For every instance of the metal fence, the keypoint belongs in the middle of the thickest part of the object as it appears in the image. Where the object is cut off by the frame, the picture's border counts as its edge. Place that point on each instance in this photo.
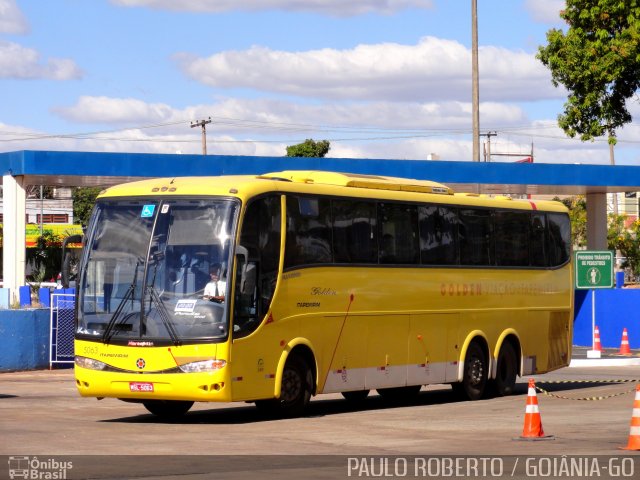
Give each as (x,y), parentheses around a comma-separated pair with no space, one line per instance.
(61,328)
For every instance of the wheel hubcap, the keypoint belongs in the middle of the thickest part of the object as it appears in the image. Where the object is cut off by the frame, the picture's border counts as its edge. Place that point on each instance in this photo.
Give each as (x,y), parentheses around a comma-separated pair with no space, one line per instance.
(476,371)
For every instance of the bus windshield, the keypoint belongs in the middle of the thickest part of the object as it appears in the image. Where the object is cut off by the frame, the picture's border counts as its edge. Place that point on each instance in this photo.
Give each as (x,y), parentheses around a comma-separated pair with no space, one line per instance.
(156,271)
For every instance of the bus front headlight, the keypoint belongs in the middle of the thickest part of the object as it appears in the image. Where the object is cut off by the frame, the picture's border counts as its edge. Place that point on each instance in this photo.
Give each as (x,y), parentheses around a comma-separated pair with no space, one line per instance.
(90,363)
(203,366)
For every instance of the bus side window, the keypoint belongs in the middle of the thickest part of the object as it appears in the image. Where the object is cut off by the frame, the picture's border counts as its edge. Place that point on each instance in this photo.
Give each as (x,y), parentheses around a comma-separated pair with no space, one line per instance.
(539,240)
(512,238)
(438,235)
(309,239)
(476,239)
(354,231)
(398,233)
(559,229)
(260,236)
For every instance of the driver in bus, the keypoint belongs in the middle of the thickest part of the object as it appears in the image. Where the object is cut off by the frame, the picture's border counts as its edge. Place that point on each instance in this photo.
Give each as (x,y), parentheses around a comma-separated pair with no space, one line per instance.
(214,290)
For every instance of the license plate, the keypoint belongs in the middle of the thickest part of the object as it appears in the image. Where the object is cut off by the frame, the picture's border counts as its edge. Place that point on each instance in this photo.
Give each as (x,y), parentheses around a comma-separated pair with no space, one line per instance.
(140,387)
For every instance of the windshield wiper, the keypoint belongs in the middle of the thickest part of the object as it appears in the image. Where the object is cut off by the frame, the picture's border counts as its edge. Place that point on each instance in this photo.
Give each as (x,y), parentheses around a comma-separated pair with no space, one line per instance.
(159,304)
(164,314)
(109,331)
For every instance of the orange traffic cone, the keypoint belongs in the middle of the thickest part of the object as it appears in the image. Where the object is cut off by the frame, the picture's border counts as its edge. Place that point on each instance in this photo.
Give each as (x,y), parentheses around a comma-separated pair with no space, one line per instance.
(532,420)
(634,430)
(596,352)
(624,344)
(597,346)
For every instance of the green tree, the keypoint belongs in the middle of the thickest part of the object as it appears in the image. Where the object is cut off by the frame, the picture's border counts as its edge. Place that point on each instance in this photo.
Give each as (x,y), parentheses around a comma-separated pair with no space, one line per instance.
(578,215)
(625,238)
(45,256)
(83,200)
(597,60)
(309,148)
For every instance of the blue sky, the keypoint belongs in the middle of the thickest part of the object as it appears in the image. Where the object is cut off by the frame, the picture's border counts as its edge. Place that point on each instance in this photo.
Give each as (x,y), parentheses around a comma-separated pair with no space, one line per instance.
(378,78)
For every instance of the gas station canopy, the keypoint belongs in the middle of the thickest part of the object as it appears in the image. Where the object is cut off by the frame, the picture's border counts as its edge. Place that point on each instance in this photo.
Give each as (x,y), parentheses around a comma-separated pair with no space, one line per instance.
(103,169)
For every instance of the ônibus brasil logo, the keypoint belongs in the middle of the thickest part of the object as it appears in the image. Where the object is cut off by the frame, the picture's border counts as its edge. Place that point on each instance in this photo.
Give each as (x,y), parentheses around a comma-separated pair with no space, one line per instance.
(32,467)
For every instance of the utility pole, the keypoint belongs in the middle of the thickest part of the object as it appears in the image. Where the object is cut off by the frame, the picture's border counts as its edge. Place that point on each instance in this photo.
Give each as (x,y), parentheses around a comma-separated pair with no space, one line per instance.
(202,123)
(612,161)
(487,152)
(41,210)
(475,89)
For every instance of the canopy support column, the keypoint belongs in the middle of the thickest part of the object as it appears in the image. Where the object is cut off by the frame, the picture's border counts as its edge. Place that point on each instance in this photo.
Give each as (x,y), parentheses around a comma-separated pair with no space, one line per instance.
(597,221)
(14,237)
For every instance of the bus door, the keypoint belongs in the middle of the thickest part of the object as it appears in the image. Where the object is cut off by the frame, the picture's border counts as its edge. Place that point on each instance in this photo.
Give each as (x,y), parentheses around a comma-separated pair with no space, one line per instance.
(254,354)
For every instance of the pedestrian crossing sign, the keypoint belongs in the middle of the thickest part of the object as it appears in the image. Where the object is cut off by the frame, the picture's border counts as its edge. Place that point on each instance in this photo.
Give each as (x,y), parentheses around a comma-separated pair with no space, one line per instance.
(594,269)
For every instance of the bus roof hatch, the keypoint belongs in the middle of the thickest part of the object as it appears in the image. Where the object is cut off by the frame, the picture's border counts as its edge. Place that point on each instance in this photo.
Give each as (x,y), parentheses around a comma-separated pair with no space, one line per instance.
(360,181)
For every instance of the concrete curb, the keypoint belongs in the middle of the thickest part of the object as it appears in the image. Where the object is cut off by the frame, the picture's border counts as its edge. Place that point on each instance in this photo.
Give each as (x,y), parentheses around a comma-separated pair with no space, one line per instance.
(604,362)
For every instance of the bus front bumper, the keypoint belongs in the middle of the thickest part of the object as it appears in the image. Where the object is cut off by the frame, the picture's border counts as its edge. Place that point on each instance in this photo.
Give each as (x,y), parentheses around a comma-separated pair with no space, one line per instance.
(199,387)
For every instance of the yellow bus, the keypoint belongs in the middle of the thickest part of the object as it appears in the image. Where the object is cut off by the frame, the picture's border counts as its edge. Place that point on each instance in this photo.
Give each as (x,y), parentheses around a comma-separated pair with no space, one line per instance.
(324,283)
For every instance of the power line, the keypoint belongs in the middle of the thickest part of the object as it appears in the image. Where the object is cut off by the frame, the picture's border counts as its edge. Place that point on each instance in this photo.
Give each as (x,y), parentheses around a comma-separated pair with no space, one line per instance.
(369,133)
(250,123)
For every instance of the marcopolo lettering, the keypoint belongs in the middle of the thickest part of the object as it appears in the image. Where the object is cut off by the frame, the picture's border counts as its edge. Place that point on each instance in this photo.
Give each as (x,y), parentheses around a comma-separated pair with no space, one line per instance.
(308,304)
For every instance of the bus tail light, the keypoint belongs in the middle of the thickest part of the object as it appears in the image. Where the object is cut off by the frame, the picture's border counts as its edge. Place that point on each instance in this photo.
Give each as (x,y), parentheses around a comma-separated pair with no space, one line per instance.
(203,366)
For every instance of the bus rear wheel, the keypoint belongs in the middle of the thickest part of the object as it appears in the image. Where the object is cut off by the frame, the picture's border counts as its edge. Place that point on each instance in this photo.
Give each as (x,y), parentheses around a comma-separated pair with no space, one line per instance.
(474,377)
(168,408)
(506,371)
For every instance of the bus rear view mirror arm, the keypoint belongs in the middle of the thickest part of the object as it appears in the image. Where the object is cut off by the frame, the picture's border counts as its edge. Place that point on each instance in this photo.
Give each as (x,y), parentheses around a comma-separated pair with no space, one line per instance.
(247,271)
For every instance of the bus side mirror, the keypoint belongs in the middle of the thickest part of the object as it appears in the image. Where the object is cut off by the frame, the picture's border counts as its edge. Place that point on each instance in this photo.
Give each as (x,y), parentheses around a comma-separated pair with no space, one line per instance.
(247,271)
(66,259)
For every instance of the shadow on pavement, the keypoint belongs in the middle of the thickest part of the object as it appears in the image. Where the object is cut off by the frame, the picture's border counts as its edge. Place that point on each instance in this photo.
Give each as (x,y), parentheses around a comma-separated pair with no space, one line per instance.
(248,413)
(317,408)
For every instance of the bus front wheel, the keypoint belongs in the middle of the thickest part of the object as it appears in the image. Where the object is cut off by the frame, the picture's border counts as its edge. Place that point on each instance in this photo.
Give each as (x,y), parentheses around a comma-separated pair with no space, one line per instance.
(474,377)
(295,392)
(297,385)
(168,408)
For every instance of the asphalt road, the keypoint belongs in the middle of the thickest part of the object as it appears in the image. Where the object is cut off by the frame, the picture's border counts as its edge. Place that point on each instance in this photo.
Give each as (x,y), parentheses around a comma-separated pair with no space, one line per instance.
(43,417)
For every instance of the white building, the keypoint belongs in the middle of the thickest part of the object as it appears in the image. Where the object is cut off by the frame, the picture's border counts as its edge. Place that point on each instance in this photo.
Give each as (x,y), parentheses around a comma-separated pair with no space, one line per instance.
(58,209)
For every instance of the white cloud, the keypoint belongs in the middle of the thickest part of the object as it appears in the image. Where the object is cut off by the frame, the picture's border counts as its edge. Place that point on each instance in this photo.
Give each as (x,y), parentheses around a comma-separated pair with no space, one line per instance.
(115,111)
(411,149)
(277,118)
(15,138)
(264,127)
(355,130)
(20,62)
(329,7)
(11,19)
(551,146)
(434,69)
(545,11)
